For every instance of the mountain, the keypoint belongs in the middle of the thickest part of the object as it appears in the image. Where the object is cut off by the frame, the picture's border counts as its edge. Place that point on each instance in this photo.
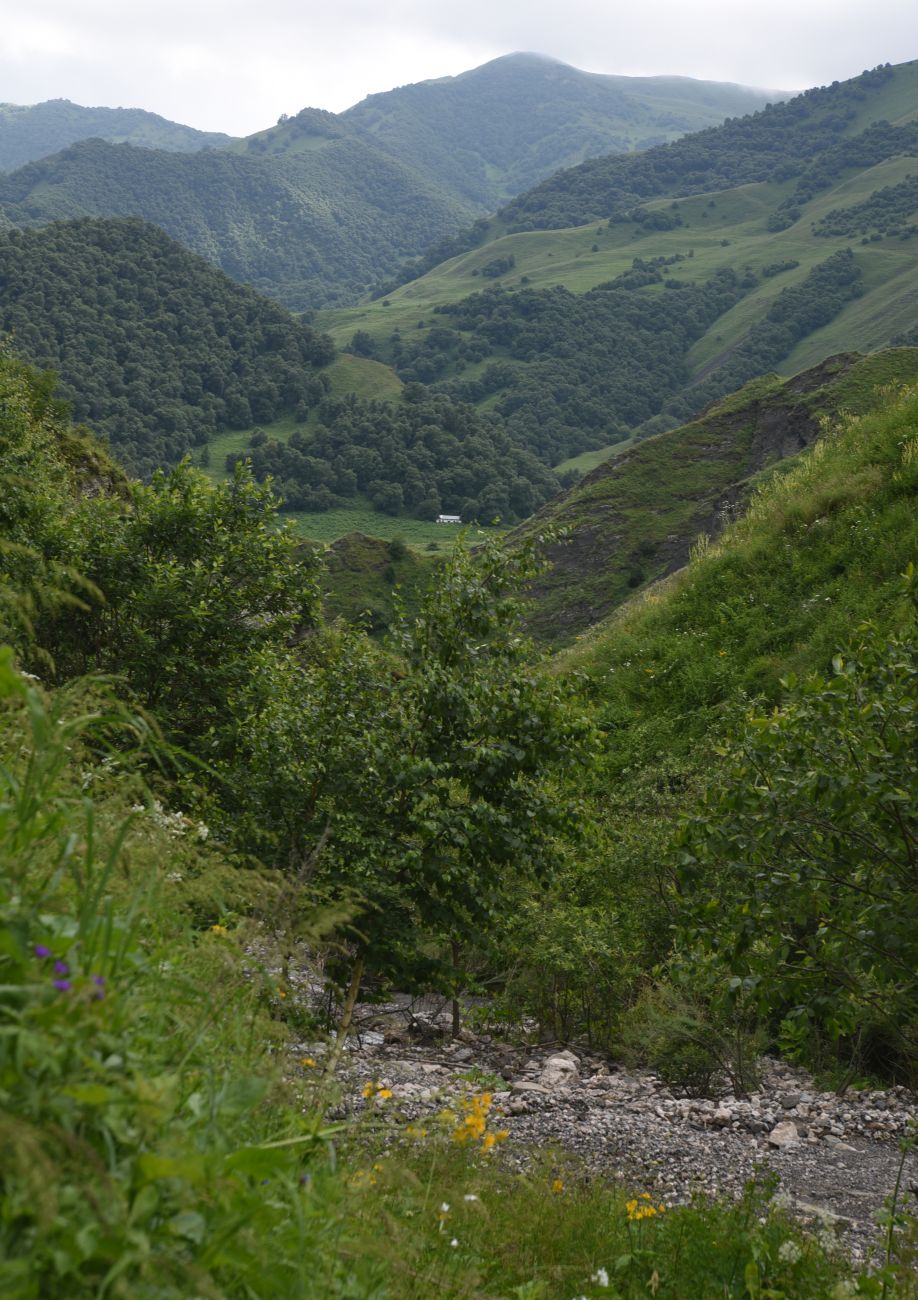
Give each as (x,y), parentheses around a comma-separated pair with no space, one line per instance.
(634,519)
(321,207)
(498,129)
(307,227)
(29,132)
(773,242)
(153,346)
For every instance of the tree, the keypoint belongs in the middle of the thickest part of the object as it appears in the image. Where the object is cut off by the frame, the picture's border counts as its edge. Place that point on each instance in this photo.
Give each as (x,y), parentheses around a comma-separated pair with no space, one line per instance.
(414,781)
(801,868)
(197,581)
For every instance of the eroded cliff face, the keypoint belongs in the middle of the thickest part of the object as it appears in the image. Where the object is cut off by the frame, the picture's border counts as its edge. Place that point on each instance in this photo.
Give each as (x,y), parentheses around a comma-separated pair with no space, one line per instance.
(634,519)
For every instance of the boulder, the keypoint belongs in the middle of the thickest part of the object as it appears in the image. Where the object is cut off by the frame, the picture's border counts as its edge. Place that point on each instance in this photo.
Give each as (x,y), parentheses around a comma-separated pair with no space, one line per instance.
(783,1135)
(560,1071)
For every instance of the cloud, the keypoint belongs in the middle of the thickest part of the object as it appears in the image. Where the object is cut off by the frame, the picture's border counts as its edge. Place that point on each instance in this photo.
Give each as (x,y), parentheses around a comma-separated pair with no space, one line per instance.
(235,66)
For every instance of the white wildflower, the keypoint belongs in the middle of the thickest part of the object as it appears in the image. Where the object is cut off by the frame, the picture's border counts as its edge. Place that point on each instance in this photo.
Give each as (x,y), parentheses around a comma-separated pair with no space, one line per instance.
(600,1277)
(454,1242)
(789,1252)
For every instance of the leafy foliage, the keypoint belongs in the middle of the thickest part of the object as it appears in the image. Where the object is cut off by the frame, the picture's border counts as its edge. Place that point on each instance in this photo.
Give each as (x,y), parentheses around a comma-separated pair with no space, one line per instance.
(417,783)
(801,866)
(197,582)
(154,348)
(425,454)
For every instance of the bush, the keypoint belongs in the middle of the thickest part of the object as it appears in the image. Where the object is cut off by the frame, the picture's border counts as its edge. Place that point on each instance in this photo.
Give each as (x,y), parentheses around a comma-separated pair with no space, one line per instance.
(689,1046)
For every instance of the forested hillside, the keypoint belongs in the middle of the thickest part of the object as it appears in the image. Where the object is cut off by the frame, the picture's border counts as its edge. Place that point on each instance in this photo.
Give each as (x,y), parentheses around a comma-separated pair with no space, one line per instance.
(32,131)
(422,455)
(500,128)
(783,238)
(320,207)
(811,139)
(153,346)
(309,228)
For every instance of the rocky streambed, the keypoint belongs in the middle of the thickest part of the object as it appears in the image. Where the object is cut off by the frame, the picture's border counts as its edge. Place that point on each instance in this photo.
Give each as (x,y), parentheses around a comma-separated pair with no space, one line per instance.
(836,1158)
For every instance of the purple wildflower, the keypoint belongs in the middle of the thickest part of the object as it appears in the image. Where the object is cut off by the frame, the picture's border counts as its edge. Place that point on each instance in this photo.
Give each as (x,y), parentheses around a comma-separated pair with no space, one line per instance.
(63,986)
(61,968)
(41,951)
(99,980)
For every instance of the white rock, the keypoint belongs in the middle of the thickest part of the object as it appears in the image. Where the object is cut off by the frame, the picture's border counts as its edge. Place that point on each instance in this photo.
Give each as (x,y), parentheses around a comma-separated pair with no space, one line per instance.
(560,1071)
(784,1135)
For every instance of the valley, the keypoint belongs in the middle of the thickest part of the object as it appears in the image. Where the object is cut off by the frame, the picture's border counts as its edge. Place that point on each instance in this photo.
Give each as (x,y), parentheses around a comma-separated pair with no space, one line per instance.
(521,908)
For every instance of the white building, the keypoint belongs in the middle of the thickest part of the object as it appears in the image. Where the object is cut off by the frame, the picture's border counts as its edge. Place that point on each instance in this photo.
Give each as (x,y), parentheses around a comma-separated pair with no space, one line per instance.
(449,519)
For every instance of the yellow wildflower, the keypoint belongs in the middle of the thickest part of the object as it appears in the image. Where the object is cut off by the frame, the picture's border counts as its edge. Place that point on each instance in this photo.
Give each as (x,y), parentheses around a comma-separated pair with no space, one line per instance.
(384,1094)
(219,929)
(369,1089)
(558,1186)
(309,1063)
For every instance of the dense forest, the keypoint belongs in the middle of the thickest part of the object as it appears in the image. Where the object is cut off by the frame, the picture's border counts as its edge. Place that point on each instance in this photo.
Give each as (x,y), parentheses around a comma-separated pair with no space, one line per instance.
(153,346)
(889,212)
(308,227)
(570,372)
(35,131)
(421,456)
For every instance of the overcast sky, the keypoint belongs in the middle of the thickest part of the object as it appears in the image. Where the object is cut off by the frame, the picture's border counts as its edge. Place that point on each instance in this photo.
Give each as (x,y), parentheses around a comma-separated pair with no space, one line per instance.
(236,65)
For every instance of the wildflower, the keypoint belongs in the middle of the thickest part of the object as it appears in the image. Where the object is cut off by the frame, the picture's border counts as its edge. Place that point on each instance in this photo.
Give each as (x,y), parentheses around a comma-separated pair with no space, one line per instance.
(454,1242)
(789,1252)
(62,986)
(637,1211)
(384,1094)
(61,968)
(281,993)
(368,1090)
(600,1277)
(444,1209)
(470,1196)
(41,950)
(721,653)
(99,981)
(221,929)
(558,1186)
(309,1063)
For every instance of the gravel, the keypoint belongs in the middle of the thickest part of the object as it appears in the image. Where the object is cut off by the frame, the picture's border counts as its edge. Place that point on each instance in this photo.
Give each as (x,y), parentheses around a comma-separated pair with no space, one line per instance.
(836,1158)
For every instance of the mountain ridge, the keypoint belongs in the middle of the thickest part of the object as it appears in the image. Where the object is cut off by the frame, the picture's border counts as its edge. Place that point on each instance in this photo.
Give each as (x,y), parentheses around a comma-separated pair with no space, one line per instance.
(320,207)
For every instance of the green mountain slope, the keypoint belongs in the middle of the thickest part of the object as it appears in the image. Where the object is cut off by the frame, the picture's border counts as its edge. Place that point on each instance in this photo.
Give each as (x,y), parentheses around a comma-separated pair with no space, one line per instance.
(500,128)
(587,334)
(699,670)
(321,207)
(780,143)
(29,132)
(634,519)
(306,227)
(154,347)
